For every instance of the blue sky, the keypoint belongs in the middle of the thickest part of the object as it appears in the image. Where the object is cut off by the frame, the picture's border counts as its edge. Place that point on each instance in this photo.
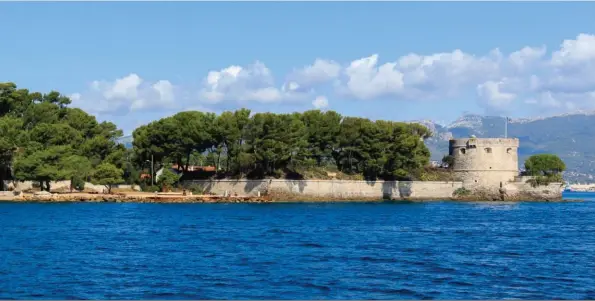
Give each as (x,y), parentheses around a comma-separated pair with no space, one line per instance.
(135,62)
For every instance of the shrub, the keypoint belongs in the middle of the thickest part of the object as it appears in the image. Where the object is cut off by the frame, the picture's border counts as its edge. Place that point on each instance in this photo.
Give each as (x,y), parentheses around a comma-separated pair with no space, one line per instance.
(435,174)
(545,180)
(196,188)
(151,189)
(449,161)
(462,192)
(168,179)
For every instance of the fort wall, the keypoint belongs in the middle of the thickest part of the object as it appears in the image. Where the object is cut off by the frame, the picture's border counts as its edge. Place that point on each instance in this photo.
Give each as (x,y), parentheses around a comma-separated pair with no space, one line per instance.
(331,189)
(485,162)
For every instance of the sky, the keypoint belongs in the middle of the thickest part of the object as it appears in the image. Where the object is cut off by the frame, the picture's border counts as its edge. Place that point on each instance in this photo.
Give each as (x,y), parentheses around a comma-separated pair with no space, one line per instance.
(135,62)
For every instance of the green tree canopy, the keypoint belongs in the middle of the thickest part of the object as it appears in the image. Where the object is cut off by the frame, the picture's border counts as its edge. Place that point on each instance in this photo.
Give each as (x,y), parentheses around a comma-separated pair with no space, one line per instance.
(267,144)
(168,179)
(108,175)
(544,165)
(43,139)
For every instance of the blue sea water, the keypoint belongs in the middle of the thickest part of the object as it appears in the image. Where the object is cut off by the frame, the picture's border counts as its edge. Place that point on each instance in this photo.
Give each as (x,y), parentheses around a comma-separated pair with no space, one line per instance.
(438,250)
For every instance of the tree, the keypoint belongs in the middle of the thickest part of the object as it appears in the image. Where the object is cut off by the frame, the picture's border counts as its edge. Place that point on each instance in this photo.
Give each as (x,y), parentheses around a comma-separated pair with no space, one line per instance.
(545,169)
(108,175)
(168,179)
(77,169)
(544,165)
(268,144)
(11,136)
(42,139)
(43,165)
(322,132)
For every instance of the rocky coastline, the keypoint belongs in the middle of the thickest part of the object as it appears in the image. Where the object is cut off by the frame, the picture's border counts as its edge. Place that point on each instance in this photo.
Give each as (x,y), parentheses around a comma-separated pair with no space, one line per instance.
(273,198)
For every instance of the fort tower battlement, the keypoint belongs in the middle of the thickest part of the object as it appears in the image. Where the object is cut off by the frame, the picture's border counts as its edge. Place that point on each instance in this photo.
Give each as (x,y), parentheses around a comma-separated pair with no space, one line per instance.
(485,161)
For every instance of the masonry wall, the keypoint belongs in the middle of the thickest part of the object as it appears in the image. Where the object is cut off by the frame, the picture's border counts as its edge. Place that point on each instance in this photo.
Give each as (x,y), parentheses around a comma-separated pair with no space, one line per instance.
(522,189)
(55,185)
(332,188)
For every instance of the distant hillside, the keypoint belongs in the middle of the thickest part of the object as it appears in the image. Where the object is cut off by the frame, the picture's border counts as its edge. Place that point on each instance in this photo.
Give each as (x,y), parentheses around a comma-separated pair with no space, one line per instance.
(568,136)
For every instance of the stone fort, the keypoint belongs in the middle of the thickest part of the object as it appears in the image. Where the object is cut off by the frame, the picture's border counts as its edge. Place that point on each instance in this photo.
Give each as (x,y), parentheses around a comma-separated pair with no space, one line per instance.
(487,162)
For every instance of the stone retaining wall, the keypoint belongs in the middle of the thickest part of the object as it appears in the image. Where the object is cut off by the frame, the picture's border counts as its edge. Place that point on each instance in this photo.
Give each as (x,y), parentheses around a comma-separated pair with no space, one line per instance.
(335,189)
(56,185)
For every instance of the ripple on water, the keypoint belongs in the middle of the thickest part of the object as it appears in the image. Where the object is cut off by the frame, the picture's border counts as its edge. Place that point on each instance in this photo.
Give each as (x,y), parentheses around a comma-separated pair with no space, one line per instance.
(299,251)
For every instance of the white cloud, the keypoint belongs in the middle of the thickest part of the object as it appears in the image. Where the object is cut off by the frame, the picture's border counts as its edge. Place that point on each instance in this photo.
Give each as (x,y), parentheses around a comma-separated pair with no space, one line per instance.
(320,72)
(244,84)
(561,79)
(527,57)
(126,87)
(124,94)
(492,93)
(320,102)
(165,90)
(366,80)
(416,76)
(575,52)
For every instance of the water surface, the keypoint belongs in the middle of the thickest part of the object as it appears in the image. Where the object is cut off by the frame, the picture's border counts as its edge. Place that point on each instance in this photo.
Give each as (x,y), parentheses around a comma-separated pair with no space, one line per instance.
(441,250)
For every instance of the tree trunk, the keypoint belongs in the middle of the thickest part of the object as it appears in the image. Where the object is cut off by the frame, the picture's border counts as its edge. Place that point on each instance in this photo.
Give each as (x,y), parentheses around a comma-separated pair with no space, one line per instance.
(228,162)
(41,186)
(350,165)
(47,183)
(187,162)
(2,178)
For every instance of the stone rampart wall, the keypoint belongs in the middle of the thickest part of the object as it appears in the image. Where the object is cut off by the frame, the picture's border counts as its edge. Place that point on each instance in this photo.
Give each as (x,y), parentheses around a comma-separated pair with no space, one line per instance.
(522,189)
(332,188)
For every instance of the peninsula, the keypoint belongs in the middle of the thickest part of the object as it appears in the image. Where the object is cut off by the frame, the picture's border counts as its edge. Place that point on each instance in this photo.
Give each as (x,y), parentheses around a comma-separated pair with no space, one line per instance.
(51,152)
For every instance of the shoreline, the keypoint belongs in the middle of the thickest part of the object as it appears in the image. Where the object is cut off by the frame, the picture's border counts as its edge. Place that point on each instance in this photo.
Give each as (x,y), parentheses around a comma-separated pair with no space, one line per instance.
(170,198)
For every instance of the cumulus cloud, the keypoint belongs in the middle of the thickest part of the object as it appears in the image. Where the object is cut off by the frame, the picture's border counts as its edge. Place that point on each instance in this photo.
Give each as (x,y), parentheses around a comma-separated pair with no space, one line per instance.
(415,77)
(320,102)
(558,79)
(365,79)
(320,72)
(128,93)
(562,80)
(575,52)
(243,84)
(165,90)
(527,57)
(492,93)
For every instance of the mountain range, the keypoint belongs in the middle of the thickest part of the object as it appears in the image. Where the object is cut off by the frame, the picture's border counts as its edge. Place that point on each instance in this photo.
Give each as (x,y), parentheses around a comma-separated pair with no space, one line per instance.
(570,136)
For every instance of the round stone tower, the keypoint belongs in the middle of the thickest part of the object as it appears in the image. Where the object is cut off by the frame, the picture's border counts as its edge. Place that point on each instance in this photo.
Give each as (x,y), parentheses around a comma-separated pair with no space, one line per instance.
(486,162)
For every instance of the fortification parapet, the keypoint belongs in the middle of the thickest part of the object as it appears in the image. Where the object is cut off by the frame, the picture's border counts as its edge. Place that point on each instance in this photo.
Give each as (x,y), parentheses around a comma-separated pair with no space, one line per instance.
(485,161)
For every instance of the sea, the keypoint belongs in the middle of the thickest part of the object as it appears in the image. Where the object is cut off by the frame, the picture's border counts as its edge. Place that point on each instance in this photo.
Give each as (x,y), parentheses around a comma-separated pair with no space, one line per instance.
(388,250)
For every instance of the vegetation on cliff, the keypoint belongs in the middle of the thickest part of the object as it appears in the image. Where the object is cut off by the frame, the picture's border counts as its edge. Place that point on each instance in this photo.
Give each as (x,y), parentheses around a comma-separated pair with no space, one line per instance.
(44,140)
